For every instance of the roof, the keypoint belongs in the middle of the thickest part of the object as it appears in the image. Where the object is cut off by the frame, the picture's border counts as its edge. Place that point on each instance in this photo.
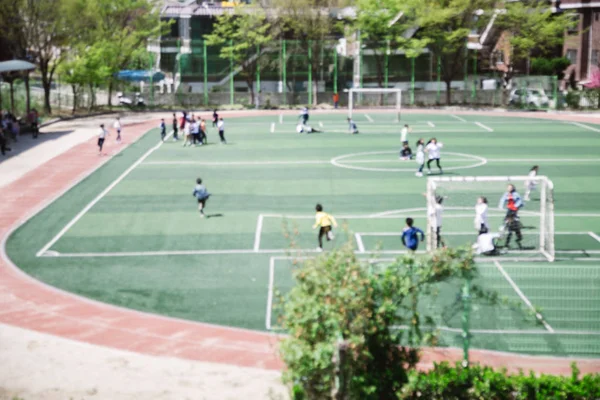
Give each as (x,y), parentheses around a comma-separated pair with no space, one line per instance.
(16,65)
(192,8)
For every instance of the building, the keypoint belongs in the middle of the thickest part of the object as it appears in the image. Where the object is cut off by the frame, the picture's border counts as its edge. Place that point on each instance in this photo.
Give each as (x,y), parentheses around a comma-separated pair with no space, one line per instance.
(582,43)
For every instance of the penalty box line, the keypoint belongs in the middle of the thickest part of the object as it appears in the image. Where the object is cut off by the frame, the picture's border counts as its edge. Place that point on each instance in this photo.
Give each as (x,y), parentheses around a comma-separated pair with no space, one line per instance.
(92,203)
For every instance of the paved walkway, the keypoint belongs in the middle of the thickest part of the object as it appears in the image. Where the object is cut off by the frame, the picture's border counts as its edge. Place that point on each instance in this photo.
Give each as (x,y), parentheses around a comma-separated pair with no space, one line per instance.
(30,304)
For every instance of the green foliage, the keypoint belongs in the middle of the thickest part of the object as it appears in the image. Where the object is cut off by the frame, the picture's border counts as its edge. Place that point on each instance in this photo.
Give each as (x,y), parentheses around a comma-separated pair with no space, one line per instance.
(340,314)
(572,99)
(476,382)
(243,36)
(533,26)
(549,66)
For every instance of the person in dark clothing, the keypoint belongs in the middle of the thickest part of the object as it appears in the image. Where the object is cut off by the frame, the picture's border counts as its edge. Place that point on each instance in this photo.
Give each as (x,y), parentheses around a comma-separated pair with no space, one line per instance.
(406,152)
(163,130)
(175,128)
(3,141)
(215,119)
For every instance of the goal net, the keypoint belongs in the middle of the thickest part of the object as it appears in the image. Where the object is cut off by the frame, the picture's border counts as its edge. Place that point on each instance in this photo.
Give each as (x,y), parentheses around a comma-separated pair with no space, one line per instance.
(375,98)
(535,222)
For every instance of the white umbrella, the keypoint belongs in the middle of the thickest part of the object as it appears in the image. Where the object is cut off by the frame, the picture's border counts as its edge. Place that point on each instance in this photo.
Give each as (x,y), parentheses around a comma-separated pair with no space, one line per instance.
(16,65)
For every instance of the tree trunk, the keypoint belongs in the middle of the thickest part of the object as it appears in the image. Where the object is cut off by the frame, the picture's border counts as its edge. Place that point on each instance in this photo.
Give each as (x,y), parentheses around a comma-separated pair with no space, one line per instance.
(250,83)
(12,97)
(46,84)
(74,89)
(448,92)
(110,89)
(91,99)
(27,93)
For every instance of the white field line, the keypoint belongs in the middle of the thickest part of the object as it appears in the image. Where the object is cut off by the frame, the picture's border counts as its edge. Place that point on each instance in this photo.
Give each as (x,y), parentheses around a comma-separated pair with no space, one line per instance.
(592,234)
(270,292)
(586,127)
(273,127)
(369,118)
(458,118)
(507,331)
(99,197)
(522,296)
(473,233)
(258,233)
(311,162)
(487,128)
(430,124)
(359,243)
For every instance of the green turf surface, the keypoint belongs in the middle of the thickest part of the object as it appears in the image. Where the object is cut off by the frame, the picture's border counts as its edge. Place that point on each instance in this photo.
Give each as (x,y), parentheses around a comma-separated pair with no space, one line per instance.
(150,216)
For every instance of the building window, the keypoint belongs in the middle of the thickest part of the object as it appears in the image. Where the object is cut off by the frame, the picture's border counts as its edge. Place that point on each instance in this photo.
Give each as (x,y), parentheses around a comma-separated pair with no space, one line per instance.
(572,56)
(595,57)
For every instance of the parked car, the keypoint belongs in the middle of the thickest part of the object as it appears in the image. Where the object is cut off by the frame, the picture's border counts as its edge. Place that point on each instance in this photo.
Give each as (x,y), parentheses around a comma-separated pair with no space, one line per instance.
(529,98)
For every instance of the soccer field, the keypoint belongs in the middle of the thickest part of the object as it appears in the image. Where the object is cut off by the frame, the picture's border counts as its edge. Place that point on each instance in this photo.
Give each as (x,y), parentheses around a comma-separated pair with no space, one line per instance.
(130,234)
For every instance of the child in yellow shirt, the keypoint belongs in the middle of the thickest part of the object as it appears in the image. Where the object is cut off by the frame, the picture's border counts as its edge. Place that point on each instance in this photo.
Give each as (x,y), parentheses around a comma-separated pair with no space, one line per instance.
(325,222)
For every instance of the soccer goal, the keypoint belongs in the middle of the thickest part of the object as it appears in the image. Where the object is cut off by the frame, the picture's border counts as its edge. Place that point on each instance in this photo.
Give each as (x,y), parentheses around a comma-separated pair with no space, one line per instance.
(459,196)
(375,98)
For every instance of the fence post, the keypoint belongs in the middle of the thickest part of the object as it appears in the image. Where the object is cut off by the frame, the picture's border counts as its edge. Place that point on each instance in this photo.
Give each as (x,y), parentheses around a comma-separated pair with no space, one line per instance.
(309,72)
(466,300)
(555,92)
(151,56)
(205,62)
(335,70)
(474,90)
(412,81)
(231,74)
(385,65)
(257,69)
(439,77)
(284,71)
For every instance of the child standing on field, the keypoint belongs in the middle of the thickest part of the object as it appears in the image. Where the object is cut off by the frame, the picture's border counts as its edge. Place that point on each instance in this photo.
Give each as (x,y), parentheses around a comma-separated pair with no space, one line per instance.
(221,128)
(101,138)
(420,156)
(202,195)
(163,130)
(410,235)
(324,221)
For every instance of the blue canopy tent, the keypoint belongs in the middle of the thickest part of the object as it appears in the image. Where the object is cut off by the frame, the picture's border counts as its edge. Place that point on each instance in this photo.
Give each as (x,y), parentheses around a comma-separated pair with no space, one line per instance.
(140,76)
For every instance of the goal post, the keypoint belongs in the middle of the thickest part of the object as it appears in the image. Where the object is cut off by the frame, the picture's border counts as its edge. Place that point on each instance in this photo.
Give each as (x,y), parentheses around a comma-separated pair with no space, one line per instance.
(459,196)
(375,98)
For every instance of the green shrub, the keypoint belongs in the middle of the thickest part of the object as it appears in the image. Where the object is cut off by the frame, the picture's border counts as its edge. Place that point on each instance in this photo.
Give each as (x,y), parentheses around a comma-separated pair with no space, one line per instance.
(476,382)
(339,317)
(572,99)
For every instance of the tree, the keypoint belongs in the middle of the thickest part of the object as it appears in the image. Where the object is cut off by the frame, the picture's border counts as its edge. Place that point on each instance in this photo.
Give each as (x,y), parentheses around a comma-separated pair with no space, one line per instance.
(447,25)
(311,22)
(243,36)
(117,31)
(44,29)
(532,26)
(340,315)
(382,25)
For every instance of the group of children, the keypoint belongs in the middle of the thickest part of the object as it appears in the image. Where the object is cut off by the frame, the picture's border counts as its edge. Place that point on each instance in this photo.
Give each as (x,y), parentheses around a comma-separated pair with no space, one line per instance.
(487,243)
(194,130)
(432,148)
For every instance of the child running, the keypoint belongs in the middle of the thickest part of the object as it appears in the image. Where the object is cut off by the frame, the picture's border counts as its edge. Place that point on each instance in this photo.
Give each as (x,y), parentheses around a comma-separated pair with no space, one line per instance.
(420,157)
(163,129)
(101,137)
(410,235)
(117,126)
(352,126)
(187,133)
(324,221)
(221,128)
(433,149)
(202,195)
(530,183)
(304,115)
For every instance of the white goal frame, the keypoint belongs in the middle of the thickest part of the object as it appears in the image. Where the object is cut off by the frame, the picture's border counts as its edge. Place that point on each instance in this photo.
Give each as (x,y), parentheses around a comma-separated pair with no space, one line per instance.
(544,186)
(351,92)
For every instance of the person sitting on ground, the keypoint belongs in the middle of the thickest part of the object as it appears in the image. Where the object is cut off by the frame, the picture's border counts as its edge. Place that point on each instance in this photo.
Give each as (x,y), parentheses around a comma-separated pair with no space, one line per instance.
(406,152)
(486,243)
(301,128)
